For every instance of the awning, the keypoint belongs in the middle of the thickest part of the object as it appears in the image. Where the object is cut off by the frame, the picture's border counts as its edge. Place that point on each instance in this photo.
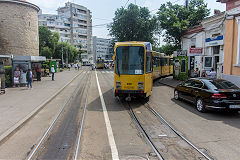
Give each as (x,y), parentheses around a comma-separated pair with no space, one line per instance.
(38,59)
(29,58)
(5,56)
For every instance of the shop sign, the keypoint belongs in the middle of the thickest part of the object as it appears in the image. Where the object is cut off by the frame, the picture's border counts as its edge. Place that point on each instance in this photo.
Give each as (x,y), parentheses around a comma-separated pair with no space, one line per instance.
(195,51)
(214,41)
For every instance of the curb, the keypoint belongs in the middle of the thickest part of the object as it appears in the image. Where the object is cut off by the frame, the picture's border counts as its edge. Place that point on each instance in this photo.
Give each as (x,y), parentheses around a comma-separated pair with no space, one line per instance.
(166,84)
(20,123)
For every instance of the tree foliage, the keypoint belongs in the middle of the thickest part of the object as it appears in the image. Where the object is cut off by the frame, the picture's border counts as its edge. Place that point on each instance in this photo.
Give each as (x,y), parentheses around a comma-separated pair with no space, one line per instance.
(133,24)
(50,46)
(167,49)
(176,19)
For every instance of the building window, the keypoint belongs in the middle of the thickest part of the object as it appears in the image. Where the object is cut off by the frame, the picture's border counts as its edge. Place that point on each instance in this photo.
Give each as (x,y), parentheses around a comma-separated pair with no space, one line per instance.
(208,62)
(216,50)
(183,65)
(193,43)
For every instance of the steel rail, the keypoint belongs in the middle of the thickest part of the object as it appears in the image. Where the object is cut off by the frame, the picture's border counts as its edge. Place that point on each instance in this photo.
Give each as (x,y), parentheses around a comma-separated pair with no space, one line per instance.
(82,122)
(174,130)
(56,118)
(133,116)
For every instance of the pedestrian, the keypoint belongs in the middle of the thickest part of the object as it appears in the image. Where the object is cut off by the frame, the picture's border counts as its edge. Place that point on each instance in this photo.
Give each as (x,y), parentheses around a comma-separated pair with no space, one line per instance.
(78,66)
(29,78)
(17,75)
(69,66)
(204,74)
(75,66)
(197,73)
(212,74)
(52,71)
(38,73)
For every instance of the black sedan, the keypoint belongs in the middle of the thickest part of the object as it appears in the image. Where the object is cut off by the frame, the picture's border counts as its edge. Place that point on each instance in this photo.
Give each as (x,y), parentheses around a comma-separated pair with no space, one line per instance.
(207,94)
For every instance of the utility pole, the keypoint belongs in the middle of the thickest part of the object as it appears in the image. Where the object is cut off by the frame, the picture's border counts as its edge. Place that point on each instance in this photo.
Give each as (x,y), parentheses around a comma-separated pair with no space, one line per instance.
(135,2)
(186,4)
(62,55)
(66,55)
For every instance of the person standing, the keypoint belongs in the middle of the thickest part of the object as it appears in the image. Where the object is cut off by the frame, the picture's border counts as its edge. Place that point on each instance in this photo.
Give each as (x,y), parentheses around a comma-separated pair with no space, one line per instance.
(29,78)
(52,71)
(38,73)
(17,75)
(212,74)
(197,73)
(69,66)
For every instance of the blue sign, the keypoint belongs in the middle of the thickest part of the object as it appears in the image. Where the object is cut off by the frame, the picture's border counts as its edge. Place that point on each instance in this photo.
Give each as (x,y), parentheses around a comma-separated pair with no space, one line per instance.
(148,46)
(218,38)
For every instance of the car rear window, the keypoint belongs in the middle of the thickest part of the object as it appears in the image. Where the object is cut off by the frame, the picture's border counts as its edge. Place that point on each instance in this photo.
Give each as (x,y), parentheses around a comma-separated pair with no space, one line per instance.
(221,84)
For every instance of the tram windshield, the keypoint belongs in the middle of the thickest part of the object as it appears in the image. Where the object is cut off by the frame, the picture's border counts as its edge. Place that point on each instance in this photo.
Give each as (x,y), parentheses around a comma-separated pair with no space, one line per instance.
(130,60)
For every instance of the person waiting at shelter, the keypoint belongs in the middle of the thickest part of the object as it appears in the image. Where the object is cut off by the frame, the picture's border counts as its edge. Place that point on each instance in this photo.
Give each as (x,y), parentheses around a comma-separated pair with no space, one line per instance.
(29,77)
(17,75)
(38,70)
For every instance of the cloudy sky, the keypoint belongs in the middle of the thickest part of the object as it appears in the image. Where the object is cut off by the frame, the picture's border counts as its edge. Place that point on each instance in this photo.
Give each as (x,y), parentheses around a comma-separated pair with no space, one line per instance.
(103,10)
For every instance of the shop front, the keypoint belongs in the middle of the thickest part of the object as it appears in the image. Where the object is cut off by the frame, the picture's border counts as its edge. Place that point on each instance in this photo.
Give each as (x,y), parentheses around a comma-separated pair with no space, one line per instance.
(195,60)
(214,57)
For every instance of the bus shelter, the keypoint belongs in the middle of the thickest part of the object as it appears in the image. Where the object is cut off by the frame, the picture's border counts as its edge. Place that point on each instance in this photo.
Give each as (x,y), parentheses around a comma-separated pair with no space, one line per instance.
(20,66)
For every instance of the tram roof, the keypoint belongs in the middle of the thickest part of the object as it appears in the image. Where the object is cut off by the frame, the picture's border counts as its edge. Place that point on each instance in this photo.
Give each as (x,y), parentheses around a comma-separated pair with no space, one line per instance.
(148,45)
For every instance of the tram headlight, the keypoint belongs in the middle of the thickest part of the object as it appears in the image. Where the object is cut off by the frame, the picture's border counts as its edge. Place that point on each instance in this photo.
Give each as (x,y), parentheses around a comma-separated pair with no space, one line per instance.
(118,85)
(140,85)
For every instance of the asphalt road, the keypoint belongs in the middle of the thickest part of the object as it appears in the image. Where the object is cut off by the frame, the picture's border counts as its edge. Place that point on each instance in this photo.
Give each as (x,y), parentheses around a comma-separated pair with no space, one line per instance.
(215,133)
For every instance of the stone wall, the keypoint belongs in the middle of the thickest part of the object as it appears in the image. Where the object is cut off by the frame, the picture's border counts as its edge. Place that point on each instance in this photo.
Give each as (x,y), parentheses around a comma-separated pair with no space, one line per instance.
(18,28)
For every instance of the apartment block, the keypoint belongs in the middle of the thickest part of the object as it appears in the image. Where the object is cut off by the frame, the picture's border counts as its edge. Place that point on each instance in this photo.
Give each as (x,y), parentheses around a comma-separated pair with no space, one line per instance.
(102,48)
(74,24)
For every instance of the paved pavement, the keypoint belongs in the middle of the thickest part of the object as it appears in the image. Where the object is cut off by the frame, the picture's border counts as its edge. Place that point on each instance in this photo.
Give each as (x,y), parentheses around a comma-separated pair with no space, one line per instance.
(19,104)
(169,81)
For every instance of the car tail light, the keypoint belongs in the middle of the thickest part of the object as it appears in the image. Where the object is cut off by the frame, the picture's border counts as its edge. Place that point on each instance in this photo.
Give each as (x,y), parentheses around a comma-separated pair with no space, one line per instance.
(116,91)
(118,85)
(219,96)
(140,85)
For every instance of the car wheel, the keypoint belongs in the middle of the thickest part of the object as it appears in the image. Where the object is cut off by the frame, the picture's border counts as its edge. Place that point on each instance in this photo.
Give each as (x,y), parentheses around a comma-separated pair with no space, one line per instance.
(200,105)
(176,95)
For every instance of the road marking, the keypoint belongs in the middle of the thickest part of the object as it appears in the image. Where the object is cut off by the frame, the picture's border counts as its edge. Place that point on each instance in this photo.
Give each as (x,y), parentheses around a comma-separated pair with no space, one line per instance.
(108,125)
(107,71)
(103,71)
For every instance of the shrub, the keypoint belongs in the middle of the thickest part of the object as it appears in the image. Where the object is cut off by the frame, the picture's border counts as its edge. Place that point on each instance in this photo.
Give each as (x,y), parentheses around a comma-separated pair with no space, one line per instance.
(8,76)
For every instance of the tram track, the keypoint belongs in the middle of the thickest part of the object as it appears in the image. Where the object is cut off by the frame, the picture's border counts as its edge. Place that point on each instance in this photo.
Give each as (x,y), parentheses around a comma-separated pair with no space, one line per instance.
(147,137)
(63,133)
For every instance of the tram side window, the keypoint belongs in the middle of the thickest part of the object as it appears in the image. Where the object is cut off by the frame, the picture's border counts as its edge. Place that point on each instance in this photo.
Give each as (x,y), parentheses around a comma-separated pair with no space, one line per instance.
(149,62)
(163,62)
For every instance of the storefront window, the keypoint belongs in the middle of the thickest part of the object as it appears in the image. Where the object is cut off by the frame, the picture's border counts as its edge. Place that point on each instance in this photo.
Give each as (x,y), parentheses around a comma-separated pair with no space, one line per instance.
(208,62)
(216,49)
(183,65)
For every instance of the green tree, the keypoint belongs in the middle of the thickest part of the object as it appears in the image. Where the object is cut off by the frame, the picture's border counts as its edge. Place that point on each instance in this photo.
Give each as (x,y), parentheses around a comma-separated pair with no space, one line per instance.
(167,49)
(46,51)
(175,19)
(133,24)
(44,38)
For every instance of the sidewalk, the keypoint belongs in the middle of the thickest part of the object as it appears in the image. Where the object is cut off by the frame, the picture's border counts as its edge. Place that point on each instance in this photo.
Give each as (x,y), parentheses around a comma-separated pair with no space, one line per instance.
(169,81)
(19,104)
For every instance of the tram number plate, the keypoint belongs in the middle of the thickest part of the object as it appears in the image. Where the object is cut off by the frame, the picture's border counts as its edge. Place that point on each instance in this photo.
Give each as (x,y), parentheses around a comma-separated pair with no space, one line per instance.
(128,87)
(234,106)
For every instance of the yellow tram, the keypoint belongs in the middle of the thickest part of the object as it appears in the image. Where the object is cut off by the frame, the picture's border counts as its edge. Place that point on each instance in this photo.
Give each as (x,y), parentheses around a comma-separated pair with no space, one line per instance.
(136,66)
(100,63)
